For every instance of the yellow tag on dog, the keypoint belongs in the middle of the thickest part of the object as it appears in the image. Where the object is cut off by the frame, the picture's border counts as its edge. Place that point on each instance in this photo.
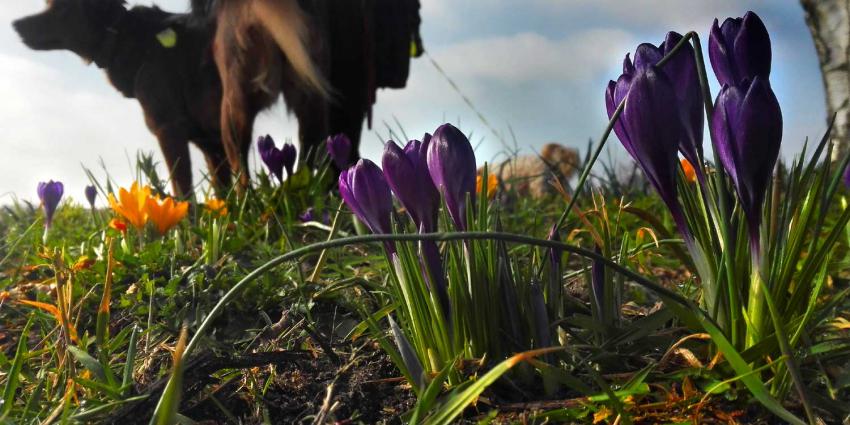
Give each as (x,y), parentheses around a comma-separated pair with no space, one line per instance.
(167,37)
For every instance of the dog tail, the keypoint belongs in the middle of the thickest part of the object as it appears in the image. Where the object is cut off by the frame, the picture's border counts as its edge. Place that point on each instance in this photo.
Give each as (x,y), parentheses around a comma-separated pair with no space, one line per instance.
(286,23)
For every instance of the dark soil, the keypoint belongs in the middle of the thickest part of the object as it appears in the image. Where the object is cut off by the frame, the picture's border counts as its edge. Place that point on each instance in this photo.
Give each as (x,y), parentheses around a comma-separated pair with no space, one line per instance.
(366,388)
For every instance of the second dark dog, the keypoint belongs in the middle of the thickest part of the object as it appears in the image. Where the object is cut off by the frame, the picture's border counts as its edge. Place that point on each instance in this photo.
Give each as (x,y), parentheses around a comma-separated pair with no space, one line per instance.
(163,60)
(327,58)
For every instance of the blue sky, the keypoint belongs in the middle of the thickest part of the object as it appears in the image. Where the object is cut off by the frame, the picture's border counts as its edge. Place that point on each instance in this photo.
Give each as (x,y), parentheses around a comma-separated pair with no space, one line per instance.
(535,69)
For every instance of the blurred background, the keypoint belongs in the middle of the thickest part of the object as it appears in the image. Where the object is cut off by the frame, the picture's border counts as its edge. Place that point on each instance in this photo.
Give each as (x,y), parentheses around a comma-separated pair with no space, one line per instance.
(536,70)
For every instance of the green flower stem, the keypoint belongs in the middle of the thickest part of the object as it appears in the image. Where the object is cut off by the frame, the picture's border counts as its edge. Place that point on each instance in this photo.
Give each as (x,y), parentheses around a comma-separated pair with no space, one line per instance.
(324,255)
(755,307)
(719,208)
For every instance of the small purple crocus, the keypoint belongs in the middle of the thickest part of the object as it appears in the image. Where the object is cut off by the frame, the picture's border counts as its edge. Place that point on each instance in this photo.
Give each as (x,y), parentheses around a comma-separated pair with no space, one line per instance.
(50,193)
(364,189)
(407,174)
(339,149)
(271,156)
(650,129)
(681,71)
(91,195)
(310,215)
(288,154)
(747,125)
(739,49)
(451,163)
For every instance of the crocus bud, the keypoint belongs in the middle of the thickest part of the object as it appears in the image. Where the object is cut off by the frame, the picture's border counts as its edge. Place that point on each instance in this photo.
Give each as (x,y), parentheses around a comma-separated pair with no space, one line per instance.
(747,127)
(407,174)
(451,163)
(365,191)
(50,193)
(339,149)
(271,156)
(91,195)
(681,71)
(288,155)
(739,49)
(308,215)
(650,130)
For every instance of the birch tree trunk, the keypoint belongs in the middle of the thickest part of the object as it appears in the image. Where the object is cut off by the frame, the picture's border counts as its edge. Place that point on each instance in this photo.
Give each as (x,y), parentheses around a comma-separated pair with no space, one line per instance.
(829,23)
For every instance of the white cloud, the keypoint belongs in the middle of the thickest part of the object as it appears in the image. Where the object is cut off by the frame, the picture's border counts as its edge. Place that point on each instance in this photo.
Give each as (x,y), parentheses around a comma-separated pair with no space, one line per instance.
(679,15)
(529,56)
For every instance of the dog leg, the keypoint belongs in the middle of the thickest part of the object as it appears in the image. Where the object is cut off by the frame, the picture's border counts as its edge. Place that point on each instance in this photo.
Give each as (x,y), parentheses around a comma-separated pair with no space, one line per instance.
(237,120)
(175,149)
(312,118)
(218,167)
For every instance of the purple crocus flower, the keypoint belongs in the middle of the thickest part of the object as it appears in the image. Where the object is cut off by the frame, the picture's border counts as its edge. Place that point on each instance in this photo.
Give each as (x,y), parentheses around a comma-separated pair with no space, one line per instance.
(407,174)
(681,71)
(310,215)
(271,156)
(451,163)
(50,193)
(288,155)
(91,195)
(364,189)
(747,127)
(650,129)
(739,49)
(339,149)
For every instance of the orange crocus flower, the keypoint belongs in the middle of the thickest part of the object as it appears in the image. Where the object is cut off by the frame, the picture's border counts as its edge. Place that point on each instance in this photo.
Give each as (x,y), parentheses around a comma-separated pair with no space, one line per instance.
(690,173)
(166,213)
(132,205)
(216,207)
(492,182)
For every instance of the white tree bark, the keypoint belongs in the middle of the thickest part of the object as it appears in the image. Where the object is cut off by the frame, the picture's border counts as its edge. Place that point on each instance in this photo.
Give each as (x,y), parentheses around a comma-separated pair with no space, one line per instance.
(829,23)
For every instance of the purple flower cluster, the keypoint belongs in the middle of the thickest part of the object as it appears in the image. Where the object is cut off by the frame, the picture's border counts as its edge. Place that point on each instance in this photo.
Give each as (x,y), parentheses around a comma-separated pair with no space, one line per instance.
(747,122)
(663,113)
(277,160)
(418,174)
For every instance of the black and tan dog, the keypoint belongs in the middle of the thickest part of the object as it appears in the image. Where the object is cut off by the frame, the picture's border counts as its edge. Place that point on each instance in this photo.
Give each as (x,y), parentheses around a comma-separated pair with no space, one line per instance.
(327,58)
(163,60)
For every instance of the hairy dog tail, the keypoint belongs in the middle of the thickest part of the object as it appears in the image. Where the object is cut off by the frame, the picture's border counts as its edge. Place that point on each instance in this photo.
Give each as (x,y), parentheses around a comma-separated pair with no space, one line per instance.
(286,23)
